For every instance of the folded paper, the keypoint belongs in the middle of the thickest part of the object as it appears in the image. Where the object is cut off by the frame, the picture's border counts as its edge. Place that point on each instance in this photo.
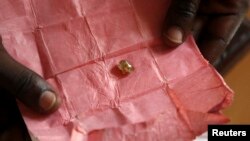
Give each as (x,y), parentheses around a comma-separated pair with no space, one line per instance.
(76,45)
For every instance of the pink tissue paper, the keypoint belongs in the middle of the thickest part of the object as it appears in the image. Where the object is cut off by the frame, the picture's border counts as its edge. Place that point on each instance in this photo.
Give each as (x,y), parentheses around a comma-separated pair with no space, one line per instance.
(173,93)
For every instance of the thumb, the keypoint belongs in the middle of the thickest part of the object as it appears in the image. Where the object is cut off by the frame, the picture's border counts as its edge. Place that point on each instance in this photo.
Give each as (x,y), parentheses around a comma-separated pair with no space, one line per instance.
(26,85)
(179,21)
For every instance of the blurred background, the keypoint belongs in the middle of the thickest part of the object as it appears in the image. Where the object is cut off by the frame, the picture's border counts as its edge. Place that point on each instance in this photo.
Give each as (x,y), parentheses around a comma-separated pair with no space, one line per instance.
(234,66)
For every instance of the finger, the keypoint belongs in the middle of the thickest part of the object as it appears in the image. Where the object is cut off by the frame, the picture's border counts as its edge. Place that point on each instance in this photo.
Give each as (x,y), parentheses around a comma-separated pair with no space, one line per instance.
(198,25)
(220,29)
(26,85)
(179,21)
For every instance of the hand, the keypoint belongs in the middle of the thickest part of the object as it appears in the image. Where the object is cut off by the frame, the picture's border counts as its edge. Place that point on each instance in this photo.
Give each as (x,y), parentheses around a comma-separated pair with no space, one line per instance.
(17,81)
(12,127)
(212,22)
(25,85)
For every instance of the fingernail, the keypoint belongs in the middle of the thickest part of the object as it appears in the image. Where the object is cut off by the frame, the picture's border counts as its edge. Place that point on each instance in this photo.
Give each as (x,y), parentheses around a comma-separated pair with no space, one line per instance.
(174,34)
(47,100)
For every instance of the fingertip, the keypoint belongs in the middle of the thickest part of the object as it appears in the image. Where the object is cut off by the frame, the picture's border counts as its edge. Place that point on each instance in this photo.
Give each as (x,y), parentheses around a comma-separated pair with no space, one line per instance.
(173,36)
(49,102)
(27,86)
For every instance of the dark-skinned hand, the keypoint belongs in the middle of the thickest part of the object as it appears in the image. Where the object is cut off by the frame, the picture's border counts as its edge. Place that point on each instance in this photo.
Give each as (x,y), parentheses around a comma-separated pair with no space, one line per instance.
(212,22)
(19,82)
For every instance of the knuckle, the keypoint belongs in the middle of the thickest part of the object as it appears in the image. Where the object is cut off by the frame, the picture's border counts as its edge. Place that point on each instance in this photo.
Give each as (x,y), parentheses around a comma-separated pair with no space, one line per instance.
(187,8)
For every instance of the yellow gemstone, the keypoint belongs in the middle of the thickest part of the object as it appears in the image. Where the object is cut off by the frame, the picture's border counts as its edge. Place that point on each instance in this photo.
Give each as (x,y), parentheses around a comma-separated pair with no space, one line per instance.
(125,67)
